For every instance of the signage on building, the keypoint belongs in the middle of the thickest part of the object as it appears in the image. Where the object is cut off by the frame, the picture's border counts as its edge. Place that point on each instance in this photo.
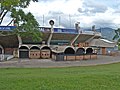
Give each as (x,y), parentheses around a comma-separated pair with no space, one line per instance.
(7,28)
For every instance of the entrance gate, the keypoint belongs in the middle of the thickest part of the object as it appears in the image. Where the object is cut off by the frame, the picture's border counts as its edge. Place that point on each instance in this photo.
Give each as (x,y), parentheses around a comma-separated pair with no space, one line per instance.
(23,52)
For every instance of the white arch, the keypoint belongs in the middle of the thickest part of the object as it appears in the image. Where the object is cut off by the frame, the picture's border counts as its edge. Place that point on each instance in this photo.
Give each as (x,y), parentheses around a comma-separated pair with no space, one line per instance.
(69,47)
(35,46)
(2,55)
(24,46)
(2,49)
(80,47)
(61,48)
(89,48)
(44,46)
(80,52)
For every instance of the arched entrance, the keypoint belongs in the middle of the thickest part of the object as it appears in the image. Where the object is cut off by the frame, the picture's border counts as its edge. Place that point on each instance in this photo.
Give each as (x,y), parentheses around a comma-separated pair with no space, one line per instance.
(34,52)
(69,53)
(80,51)
(89,51)
(69,50)
(45,52)
(23,52)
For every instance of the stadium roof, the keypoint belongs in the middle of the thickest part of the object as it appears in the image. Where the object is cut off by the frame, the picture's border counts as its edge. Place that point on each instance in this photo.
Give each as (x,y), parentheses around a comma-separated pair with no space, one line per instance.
(102,43)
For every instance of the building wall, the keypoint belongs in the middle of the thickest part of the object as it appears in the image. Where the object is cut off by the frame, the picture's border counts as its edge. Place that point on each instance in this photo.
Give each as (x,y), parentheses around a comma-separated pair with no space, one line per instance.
(34,54)
(15,53)
(104,51)
(75,57)
(45,54)
(9,51)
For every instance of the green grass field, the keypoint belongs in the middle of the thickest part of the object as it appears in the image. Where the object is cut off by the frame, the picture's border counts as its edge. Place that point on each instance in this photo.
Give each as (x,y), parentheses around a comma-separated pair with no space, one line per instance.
(104,77)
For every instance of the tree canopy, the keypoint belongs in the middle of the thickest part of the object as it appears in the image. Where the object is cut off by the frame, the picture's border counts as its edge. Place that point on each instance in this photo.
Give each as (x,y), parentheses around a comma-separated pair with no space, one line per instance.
(26,24)
(117,34)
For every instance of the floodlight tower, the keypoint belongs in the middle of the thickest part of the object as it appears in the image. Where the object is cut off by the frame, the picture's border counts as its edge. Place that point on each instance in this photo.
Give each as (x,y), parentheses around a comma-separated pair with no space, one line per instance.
(51,22)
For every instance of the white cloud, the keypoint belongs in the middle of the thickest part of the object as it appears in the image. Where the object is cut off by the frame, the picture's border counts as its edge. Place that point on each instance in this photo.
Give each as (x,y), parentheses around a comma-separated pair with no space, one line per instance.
(67,7)
(66,12)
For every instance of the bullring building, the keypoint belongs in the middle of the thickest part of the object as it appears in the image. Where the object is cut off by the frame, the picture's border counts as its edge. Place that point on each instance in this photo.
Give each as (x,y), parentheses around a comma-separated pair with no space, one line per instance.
(71,43)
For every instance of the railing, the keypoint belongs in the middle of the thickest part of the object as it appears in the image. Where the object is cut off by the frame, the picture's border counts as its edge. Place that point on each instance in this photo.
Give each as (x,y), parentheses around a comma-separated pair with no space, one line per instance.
(70,31)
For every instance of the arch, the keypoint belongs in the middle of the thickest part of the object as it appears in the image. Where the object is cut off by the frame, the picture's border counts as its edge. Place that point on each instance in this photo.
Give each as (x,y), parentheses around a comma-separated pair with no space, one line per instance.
(34,52)
(80,51)
(24,47)
(1,50)
(45,47)
(89,51)
(23,52)
(35,48)
(69,50)
(46,52)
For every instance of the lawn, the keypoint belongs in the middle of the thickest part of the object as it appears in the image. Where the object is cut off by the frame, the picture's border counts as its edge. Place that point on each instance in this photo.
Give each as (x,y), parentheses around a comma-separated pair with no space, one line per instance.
(103,77)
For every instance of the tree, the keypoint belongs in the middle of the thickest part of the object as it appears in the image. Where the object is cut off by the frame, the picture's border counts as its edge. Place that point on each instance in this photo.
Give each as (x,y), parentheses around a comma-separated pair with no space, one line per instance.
(117,37)
(25,22)
(117,34)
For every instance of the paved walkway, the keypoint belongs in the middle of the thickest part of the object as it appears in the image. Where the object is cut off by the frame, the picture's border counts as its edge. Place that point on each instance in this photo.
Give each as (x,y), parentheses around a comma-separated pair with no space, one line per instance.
(45,63)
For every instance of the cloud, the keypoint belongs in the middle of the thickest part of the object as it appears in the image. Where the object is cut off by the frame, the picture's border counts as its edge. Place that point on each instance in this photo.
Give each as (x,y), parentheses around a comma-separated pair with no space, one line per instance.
(102,13)
(103,23)
(92,7)
(6,20)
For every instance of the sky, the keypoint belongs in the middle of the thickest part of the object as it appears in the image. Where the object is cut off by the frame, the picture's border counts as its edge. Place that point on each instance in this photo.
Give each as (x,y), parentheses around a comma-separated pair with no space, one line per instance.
(65,13)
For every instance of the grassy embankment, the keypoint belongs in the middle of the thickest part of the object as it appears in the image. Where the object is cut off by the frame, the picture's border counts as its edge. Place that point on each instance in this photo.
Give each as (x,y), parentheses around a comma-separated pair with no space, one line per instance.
(104,77)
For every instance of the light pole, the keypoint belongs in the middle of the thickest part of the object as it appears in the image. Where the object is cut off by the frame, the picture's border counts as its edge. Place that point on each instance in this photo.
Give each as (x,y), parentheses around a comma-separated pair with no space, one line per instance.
(51,22)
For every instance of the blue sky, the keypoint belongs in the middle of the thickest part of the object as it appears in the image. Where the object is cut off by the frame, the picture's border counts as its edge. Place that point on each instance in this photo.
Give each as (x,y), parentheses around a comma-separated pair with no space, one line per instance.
(65,13)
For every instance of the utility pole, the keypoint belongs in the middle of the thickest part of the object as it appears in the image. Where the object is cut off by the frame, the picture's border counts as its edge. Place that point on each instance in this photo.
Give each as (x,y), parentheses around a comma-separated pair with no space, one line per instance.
(70,20)
(43,19)
(59,21)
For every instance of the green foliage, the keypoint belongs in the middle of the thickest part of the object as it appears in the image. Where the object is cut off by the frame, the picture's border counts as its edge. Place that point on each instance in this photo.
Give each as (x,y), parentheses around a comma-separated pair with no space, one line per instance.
(26,23)
(118,46)
(117,34)
(9,4)
(104,77)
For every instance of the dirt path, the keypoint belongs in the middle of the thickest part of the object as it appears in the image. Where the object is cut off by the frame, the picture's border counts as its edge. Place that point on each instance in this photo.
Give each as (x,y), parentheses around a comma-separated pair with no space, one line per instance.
(30,63)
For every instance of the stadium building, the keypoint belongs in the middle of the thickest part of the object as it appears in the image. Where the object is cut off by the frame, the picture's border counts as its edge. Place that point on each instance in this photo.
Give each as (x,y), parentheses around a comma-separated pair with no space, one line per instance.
(57,43)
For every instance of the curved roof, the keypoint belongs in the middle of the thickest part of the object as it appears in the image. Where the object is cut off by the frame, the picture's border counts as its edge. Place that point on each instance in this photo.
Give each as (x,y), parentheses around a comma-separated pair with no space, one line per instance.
(102,43)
